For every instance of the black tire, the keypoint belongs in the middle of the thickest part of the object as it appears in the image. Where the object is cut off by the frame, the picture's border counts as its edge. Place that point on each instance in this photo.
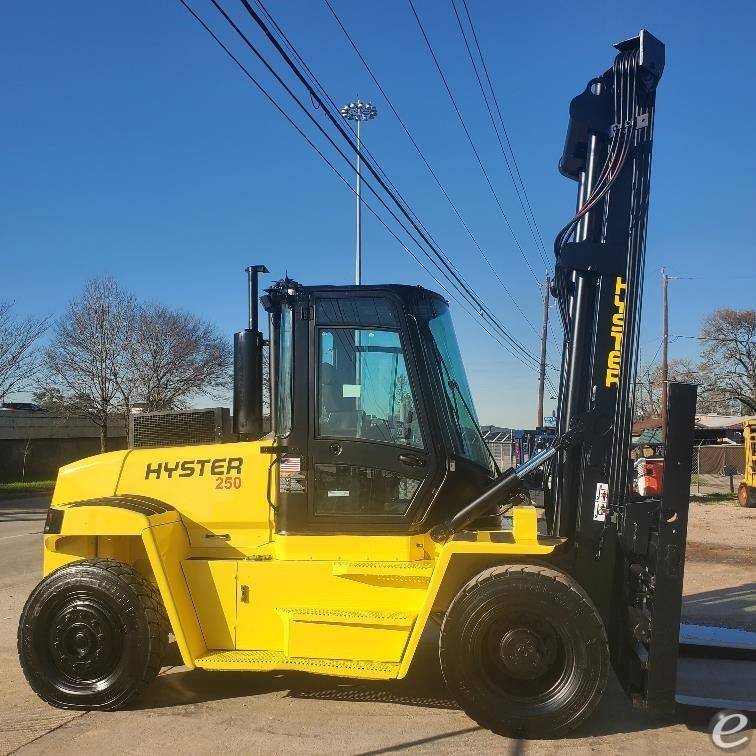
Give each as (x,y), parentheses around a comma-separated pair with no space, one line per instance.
(524,651)
(746,495)
(92,635)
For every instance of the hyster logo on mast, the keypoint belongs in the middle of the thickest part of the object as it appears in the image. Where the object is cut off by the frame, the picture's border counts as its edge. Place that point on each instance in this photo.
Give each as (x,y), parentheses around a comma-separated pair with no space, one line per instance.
(618,326)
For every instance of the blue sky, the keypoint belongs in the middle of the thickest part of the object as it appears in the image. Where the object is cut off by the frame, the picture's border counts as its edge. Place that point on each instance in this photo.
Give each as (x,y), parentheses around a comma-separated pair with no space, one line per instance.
(133,146)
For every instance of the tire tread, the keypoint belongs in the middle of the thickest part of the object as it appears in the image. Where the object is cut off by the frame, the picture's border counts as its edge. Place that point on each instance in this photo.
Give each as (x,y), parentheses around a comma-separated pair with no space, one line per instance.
(533,572)
(149,599)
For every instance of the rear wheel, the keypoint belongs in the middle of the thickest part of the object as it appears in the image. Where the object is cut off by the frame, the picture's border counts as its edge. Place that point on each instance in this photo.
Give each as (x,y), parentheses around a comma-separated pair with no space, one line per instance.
(746,495)
(524,651)
(92,635)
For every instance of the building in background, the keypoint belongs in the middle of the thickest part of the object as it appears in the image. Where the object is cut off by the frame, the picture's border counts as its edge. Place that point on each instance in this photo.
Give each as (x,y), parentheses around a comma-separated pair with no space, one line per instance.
(34,444)
(709,429)
(717,439)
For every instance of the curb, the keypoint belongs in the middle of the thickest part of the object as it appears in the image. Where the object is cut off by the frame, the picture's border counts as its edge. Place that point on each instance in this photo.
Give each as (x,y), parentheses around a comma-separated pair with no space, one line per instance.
(25,493)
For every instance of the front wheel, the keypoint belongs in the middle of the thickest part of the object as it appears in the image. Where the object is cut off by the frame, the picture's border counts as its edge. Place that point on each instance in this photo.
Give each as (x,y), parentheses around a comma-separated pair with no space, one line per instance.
(92,635)
(524,652)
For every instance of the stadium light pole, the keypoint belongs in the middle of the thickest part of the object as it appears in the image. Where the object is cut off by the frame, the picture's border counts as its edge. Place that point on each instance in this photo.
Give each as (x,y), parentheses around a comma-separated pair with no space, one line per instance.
(359,112)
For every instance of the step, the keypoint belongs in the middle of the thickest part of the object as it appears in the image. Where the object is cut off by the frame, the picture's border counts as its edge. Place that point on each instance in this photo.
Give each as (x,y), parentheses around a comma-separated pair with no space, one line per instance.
(318,633)
(266,661)
(349,616)
(393,570)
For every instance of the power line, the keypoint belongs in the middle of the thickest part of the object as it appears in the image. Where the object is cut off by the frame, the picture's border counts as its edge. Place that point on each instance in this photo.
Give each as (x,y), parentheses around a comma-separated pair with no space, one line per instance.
(427,164)
(533,229)
(336,109)
(520,191)
(325,94)
(270,98)
(709,338)
(673,337)
(650,366)
(713,278)
(472,144)
(455,283)
(501,119)
(337,122)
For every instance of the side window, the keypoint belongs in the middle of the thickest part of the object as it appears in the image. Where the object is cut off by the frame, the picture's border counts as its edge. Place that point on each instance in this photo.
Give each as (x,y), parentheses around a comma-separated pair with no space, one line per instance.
(285,373)
(363,387)
(348,489)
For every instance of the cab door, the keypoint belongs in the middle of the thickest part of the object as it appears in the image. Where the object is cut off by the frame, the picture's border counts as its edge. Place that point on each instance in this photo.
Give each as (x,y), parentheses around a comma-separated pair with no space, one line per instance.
(371,462)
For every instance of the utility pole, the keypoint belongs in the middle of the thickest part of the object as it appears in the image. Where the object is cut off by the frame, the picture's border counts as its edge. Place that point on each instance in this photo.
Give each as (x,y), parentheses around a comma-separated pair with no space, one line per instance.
(542,370)
(359,112)
(665,363)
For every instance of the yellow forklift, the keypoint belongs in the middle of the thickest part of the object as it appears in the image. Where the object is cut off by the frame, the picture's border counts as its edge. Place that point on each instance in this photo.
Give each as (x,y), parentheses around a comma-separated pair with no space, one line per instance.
(373,507)
(747,487)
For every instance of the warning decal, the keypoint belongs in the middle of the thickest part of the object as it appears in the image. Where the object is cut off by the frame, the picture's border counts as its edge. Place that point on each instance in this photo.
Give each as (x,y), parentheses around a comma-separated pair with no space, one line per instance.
(601,504)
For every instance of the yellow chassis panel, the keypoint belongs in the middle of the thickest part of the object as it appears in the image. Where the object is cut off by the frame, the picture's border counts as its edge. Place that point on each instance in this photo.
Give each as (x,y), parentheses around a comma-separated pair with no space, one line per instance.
(478,554)
(164,541)
(353,606)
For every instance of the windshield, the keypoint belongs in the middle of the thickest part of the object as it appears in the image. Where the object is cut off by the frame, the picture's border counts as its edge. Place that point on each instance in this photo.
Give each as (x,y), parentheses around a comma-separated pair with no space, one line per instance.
(459,398)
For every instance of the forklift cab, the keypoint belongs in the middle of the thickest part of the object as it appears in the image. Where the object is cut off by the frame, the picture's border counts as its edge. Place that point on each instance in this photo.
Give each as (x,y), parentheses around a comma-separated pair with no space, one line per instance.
(374,423)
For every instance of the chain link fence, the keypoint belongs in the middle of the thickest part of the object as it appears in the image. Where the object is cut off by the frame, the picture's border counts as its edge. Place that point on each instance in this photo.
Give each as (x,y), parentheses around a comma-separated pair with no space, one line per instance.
(709,463)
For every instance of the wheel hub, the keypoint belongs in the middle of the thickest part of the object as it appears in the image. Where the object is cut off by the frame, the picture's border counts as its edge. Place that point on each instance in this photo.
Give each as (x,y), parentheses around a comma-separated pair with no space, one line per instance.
(524,653)
(84,641)
(78,640)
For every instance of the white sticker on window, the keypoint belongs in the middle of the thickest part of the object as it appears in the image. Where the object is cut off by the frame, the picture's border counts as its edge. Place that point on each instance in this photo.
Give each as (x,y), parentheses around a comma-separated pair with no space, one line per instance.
(338,493)
(601,503)
(350,390)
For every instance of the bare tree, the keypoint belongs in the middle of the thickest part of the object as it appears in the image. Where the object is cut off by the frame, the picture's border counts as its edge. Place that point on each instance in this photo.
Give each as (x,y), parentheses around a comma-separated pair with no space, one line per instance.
(85,353)
(173,356)
(726,374)
(25,456)
(19,357)
(729,356)
(648,392)
(649,383)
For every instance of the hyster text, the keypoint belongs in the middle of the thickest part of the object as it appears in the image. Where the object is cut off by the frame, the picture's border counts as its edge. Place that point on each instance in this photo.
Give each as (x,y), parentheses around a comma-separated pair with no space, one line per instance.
(188,468)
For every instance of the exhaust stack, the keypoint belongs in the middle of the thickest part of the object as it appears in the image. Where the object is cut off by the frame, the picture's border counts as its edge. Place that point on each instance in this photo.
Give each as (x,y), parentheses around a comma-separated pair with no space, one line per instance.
(248,366)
